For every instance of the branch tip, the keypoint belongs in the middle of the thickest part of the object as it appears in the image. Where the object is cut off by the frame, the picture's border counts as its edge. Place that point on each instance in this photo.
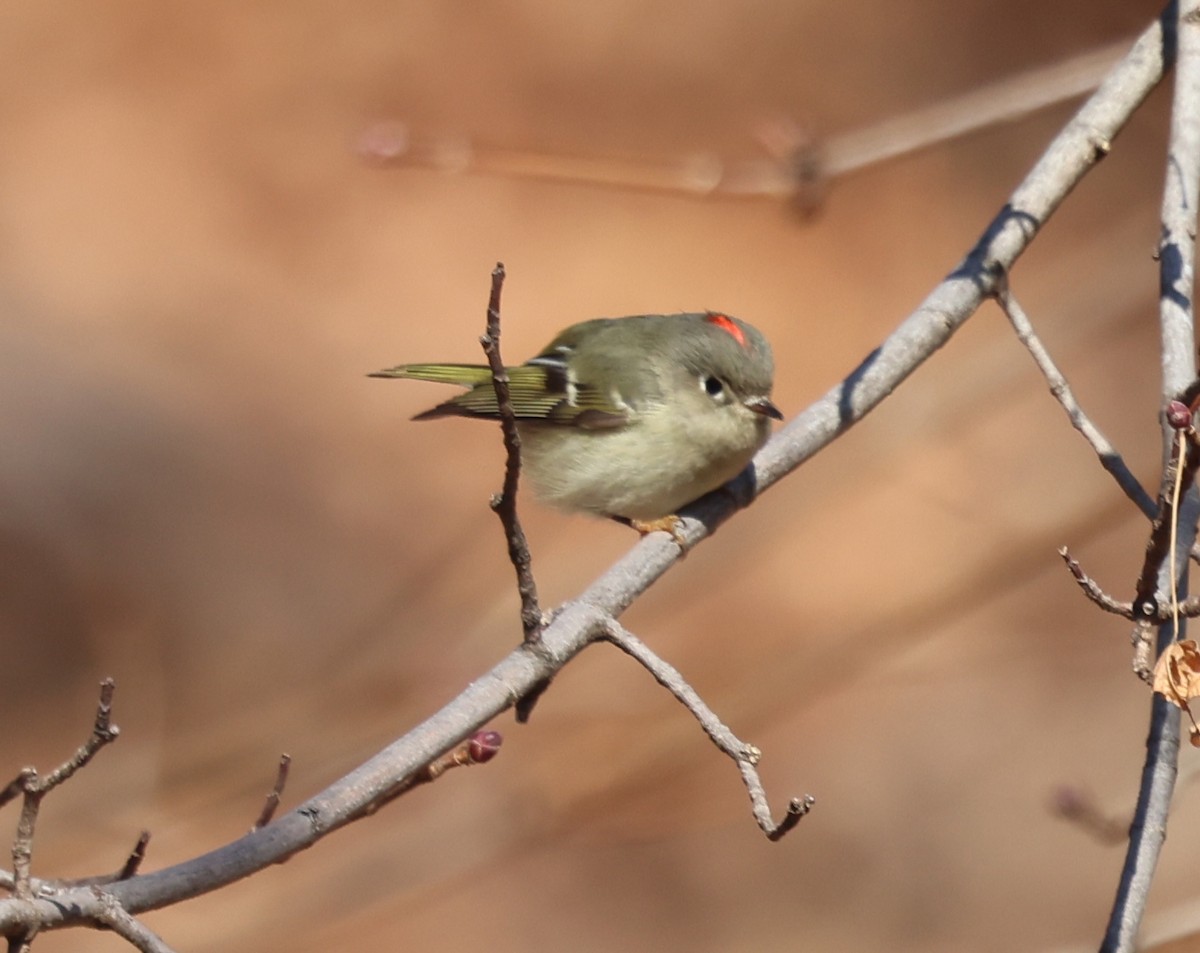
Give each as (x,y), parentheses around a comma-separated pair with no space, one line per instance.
(797,808)
(271,804)
(1092,590)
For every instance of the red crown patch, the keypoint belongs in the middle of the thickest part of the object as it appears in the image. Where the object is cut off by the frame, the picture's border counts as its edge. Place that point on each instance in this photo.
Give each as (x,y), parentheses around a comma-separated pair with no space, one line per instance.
(727,324)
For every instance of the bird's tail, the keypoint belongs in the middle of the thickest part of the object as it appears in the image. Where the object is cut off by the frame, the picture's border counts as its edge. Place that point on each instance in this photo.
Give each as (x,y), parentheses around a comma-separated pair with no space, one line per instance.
(464,375)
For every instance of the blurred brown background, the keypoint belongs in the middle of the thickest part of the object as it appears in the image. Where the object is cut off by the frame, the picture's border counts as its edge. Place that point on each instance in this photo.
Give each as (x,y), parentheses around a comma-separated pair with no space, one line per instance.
(203,496)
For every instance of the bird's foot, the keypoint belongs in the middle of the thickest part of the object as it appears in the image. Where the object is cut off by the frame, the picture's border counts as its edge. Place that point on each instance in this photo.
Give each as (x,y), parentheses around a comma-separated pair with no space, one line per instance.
(671,524)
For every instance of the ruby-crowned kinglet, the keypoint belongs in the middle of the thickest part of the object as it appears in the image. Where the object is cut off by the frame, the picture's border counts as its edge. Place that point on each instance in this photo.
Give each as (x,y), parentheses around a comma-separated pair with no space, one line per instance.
(629,418)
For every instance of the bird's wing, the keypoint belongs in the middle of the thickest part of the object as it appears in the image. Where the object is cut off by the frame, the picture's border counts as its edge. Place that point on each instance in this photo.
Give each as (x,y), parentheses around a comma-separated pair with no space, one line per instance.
(539,390)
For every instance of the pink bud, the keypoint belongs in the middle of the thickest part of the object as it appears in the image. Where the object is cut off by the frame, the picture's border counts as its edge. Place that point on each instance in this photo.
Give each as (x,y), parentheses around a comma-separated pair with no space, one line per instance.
(484,746)
(1179,415)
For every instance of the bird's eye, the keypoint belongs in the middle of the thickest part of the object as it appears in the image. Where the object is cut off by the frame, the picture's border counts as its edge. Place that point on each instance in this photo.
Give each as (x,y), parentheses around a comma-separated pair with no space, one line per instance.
(713,386)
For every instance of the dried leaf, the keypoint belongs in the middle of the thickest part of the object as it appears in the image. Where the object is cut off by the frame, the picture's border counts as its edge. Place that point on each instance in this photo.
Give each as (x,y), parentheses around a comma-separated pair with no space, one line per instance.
(1177,673)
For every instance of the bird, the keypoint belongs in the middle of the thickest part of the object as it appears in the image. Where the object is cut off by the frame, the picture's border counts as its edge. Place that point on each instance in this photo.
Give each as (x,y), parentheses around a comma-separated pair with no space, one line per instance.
(628,418)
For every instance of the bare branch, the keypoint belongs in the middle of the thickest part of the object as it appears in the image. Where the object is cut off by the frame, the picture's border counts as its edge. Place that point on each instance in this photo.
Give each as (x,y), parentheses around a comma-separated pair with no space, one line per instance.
(134,861)
(1183,461)
(34,789)
(44,887)
(271,805)
(505,504)
(746,756)
(1093,591)
(108,912)
(103,733)
(797,161)
(350,798)
(1181,35)
(1109,458)
(1004,101)
(22,848)
(1141,612)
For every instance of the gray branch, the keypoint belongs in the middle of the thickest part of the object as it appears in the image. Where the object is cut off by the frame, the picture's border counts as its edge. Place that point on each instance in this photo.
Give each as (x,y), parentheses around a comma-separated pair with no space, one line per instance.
(1176,289)
(744,755)
(1110,459)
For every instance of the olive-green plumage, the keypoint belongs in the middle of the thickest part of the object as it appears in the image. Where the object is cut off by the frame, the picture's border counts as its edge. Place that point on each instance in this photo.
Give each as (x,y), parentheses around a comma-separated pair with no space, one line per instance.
(628,417)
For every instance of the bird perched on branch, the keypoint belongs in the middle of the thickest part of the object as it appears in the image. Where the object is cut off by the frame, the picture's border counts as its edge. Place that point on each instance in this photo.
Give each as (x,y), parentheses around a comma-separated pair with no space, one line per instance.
(629,418)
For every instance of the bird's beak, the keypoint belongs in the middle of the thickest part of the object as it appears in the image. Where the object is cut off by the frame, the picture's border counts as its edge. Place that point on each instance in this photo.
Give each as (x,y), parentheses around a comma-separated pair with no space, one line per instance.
(760,405)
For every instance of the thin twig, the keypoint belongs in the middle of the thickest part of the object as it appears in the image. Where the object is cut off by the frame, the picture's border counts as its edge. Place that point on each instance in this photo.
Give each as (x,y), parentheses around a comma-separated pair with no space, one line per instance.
(134,861)
(1177,288)
(34,788)
(128,869)
(797,161)
(22,848)
(1149,611)
(42,887)
(103,733)
(1093,591)
(271,804)
(744,755)
(1156,597)
(505,504)
(1004,101)
(1110,459)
